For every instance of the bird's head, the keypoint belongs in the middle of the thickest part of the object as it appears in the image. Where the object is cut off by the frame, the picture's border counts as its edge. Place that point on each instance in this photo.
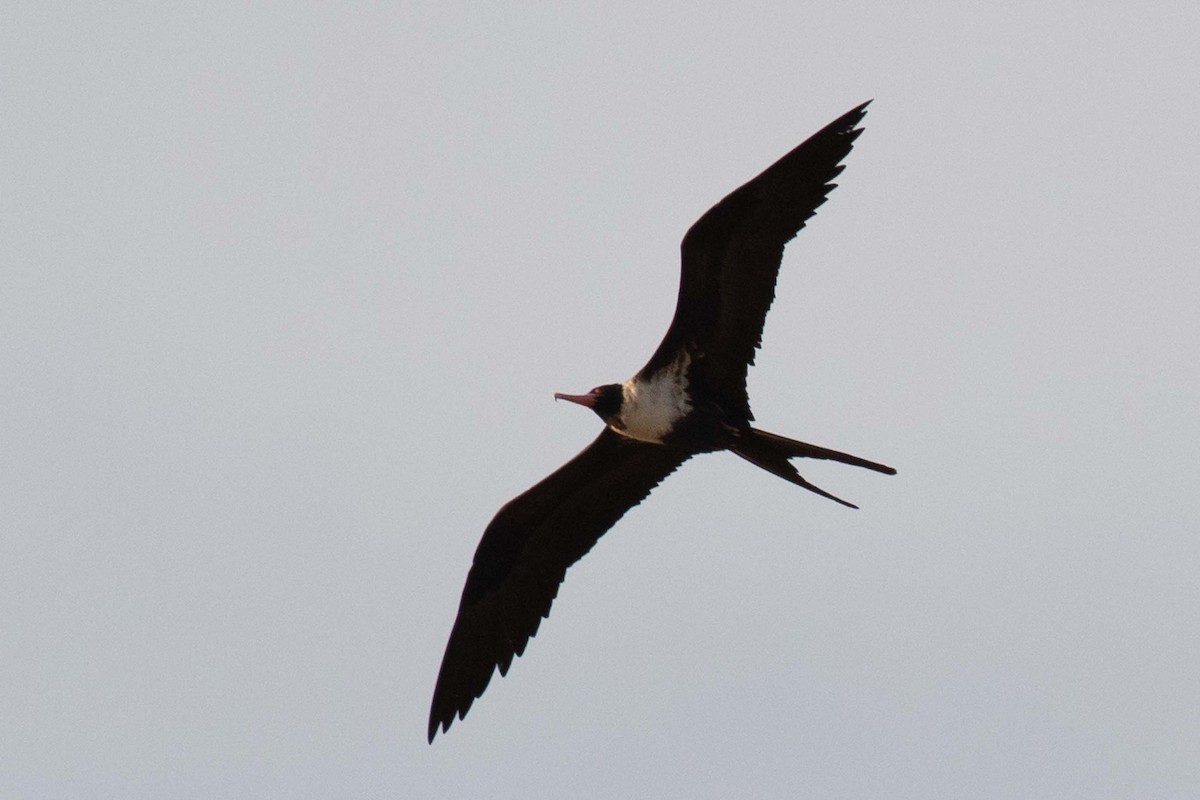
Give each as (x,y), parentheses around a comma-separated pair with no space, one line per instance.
(604,400)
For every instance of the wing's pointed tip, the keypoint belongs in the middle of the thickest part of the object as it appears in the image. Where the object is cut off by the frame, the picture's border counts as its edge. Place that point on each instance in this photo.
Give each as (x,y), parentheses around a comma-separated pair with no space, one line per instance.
(441,718)
(846,124)
(435,724)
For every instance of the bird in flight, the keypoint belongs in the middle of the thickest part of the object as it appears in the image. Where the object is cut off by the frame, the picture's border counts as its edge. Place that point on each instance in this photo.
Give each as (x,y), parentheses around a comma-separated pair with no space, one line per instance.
(690,398)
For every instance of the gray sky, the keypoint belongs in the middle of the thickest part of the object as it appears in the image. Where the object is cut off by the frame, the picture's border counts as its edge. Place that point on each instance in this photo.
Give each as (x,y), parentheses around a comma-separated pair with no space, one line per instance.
(285,293)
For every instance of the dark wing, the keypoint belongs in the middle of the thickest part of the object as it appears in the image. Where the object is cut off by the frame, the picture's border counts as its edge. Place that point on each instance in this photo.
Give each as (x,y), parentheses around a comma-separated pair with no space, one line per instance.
(731,259)
(524,555)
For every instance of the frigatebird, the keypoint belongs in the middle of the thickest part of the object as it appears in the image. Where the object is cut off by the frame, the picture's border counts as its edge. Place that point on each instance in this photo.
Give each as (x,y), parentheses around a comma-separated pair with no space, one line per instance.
(690,398)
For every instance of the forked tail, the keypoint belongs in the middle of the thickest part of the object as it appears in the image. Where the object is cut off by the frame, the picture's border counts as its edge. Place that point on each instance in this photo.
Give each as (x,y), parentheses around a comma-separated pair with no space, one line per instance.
(771,452)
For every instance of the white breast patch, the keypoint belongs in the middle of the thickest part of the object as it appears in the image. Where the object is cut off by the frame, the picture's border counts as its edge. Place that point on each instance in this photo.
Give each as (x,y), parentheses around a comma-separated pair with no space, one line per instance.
(652,407)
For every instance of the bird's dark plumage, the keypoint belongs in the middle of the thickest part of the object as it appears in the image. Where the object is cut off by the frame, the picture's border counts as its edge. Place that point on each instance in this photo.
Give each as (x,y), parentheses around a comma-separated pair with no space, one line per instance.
(689,398)
(524,555)
(731,258)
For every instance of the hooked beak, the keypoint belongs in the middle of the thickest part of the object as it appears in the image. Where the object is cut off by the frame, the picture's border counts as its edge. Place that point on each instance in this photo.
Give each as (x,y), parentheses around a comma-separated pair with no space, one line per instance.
(585,400)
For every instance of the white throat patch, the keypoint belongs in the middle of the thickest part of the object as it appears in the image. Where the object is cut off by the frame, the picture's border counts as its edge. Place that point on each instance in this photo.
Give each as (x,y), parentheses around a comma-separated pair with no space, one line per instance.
(652,406)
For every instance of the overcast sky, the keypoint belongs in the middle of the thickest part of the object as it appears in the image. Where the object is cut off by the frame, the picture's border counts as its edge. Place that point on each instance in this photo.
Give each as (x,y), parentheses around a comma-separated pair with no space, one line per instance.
(285,292)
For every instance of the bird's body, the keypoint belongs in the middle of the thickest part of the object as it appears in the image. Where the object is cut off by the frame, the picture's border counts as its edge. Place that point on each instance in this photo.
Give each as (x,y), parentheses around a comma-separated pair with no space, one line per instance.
(652,405)
(689,398)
